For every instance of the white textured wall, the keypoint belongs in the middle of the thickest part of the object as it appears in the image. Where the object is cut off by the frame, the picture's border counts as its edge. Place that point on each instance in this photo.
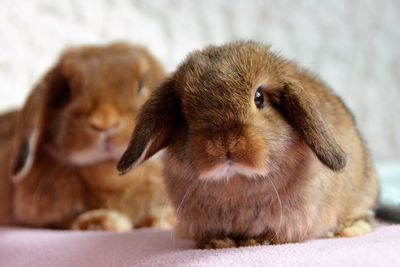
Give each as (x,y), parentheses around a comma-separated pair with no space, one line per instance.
(354,45)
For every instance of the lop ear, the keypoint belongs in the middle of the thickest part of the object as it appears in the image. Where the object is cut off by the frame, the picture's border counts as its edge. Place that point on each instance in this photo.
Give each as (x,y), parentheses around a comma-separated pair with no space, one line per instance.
(302,113)
(51,93)
(156,123)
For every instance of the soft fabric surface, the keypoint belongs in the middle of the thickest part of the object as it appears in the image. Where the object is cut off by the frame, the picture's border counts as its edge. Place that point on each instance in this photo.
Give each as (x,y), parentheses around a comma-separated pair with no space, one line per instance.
(22,247)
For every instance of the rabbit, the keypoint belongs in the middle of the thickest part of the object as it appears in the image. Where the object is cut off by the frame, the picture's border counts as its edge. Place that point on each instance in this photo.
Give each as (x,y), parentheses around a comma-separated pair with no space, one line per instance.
(58,153)
(258,151)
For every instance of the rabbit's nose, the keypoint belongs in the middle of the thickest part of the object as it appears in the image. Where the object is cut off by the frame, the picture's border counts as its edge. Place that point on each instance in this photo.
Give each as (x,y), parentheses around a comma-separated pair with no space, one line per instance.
(104,119)
(231,148)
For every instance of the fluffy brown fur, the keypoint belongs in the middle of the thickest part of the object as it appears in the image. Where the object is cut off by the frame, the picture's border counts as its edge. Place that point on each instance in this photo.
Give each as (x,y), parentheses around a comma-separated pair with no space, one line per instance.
(65,142)
(239,175)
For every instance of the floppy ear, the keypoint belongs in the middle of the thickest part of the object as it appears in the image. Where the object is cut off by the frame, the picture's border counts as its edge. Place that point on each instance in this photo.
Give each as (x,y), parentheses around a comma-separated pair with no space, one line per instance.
(300,110)
(156,123)
(51,93)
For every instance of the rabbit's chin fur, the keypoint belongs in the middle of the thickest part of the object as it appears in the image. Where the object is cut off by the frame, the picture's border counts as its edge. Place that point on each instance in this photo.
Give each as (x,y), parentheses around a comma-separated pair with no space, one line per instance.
(94,156)
(229,169)
(102,151)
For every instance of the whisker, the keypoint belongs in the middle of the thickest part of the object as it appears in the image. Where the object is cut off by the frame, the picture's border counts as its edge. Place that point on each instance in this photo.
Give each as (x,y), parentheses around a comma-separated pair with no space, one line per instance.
(163,214)
(307,226)
(178,209)
(280,205)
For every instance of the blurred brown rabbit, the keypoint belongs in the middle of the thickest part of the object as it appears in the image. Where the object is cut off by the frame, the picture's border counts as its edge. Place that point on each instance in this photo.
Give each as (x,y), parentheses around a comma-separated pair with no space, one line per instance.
(63,145)
(259,151)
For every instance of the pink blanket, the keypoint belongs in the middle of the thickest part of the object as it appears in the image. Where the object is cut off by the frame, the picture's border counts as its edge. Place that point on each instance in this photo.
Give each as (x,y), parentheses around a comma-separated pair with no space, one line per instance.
(24,247)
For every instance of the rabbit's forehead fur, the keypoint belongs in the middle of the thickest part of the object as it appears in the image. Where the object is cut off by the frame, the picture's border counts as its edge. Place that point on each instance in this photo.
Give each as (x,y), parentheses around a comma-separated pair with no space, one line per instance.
(221,81)
(95,71)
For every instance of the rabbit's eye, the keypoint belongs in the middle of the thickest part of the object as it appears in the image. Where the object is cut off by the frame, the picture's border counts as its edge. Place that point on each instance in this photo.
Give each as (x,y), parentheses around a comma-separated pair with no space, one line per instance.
(61,95)
(259,97)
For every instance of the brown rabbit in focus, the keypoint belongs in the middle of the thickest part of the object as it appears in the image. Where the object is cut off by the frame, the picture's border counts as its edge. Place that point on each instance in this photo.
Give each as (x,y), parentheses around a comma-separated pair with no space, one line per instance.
(69,135)
(259,151)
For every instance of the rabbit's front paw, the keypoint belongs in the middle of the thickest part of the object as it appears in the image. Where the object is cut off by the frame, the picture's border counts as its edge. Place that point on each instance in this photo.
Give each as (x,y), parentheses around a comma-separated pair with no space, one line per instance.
(253,242)
(356,228)
(102,219)
(218,244)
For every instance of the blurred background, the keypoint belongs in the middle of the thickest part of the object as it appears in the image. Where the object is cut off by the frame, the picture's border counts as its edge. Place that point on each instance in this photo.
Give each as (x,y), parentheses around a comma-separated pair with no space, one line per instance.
(353,45)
